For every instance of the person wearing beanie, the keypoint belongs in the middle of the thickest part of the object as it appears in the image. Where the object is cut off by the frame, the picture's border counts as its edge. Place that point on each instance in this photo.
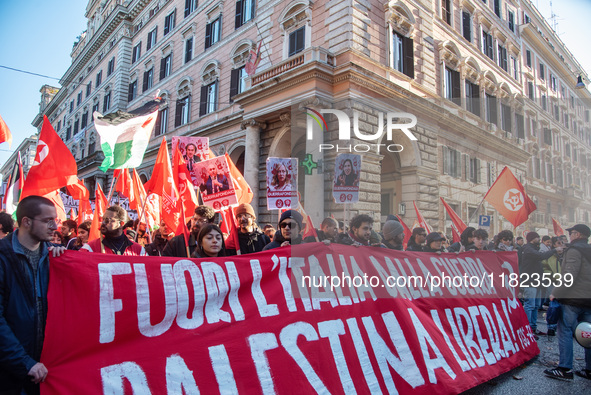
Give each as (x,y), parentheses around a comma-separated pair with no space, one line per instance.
(393,235)
(290,226)
(433,242)
(177,245)
(250,237)
(531,268)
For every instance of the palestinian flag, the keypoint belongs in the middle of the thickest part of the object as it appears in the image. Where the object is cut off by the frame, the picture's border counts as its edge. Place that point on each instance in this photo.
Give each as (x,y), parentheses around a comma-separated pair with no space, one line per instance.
(14,187)
(125,135)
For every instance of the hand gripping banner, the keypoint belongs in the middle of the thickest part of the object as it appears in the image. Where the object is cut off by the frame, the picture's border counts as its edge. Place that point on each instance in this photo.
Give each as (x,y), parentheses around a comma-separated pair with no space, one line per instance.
(311,318)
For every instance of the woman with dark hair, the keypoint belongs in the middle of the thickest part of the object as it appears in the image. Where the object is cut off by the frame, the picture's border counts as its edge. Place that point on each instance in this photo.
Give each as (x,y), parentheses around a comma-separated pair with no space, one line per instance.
(57,238)
(348,177)
(504,241)
(466,241)
(82,238)
(210,242)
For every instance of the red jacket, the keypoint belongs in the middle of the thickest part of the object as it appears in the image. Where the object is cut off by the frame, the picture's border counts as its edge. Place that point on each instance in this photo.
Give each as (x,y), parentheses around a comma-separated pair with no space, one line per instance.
(135,249)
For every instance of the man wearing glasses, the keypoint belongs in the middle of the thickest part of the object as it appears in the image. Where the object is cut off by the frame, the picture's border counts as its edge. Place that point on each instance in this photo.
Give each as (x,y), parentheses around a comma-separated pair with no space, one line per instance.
(250,237)
(290,225)
(114,240)
(417,239)
(177,245)
(24,278)
(575,300)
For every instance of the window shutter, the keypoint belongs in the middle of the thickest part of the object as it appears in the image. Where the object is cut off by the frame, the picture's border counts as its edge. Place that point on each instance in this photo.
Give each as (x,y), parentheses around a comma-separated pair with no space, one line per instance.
(520,126)
(177,114)
(478,177)
(158,124)
(292,43)
(173,19)
(458,164)
(155,35)
(476,99)
(466,167)
(208,35)
(162,68)
(408,57)
(455,88)
(203,101)
(466,26)
(252,8)
(130,92)
(145,84)
(238,18)
(444,154)
(187,7)
(234,79)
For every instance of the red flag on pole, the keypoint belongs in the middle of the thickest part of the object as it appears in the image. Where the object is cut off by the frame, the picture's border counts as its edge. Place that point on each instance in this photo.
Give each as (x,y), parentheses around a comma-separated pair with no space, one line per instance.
(79,192)
(558,230)
(422,223)
(137,194)
(508,197)
(229,227)
(243,192)
(123,184)
(456,238)
(100,205)
(5,134)
(54,166)
(55,197)
(185,186)
(455,218)
(407,232)
(73,215)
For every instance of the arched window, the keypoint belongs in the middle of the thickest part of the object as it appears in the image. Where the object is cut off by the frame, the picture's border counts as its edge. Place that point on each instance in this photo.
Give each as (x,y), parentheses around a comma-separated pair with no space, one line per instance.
(209,90)
(296,24)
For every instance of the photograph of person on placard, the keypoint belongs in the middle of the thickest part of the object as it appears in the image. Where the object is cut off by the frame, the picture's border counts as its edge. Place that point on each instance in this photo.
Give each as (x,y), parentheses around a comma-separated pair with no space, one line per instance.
(190,157)
(348,177)
(281,180)
(194,150)
(282,183)
(216,181)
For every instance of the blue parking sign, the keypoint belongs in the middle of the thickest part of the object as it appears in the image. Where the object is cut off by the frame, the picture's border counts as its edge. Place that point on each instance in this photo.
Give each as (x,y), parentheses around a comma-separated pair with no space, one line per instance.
(484,220)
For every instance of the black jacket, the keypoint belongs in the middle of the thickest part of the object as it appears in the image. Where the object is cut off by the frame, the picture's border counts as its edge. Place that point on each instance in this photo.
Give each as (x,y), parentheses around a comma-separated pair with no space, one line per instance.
(251,242)
(531,261)
(413,246)
(278,239)
(176,246)
(577,262)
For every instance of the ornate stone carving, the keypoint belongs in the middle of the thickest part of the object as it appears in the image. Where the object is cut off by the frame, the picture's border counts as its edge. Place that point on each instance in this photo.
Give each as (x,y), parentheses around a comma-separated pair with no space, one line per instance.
(253,123)
(285,118)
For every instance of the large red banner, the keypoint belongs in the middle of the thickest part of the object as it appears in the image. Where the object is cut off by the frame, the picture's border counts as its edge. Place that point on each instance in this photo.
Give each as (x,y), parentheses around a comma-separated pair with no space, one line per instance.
(395,322)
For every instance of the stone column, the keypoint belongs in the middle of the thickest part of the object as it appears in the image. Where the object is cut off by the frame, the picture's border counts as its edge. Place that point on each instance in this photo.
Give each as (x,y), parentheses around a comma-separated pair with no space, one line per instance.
(253,130)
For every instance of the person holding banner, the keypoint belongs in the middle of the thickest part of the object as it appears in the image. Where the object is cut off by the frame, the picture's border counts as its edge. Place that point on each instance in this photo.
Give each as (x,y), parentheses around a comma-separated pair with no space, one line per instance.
(24,279)
(360,233)
(250,238)
(434,243)
(177,246)
(290,225)
(113,240)
(466,241)
(418,237)
(6,224)
(393,233)
(210,242)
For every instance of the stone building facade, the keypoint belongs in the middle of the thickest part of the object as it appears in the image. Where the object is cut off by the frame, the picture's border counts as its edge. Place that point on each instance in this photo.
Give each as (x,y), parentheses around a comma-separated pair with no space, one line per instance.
(462,67)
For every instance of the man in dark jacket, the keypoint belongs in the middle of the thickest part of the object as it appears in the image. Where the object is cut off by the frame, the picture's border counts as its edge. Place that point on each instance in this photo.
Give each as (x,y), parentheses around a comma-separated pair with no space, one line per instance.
(290,226)
(415,244)
(360,233)
(24,278)
(466,241)
(433,242)
(250,237)
(531,269)
(177,245)
(575,299)
(393,235)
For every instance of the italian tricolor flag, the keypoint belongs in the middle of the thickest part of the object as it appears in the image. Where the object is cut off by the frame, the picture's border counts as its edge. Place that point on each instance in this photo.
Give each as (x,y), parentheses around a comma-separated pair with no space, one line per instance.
(125,136)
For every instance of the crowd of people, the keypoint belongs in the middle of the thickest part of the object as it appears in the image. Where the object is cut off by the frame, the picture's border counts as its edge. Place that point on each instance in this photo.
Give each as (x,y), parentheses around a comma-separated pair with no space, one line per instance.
(25,249)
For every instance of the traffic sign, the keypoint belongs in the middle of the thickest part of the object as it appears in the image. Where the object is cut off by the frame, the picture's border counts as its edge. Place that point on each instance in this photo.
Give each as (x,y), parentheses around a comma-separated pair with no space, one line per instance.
(484,220)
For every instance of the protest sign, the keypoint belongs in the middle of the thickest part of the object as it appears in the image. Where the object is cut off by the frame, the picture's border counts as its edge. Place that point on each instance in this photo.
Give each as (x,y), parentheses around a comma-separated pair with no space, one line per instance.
(271,323)
(194,150)
(282,183)
(215,183)
(346,178)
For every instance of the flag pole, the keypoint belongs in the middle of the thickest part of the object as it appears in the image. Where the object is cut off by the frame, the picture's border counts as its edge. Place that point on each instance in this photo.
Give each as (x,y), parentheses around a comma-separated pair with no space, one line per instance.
(475,212)
(142,214)
(113,181)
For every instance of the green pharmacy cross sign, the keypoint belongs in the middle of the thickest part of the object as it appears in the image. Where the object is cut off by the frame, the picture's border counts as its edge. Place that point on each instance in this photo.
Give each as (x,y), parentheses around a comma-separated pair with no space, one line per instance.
(308,164)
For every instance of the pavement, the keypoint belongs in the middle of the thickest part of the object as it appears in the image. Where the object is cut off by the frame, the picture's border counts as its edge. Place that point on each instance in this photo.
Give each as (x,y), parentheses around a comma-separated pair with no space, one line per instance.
(529,378)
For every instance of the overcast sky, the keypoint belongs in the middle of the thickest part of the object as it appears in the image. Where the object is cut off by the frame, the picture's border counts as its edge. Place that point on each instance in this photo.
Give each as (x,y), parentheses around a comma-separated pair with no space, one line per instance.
(38,36)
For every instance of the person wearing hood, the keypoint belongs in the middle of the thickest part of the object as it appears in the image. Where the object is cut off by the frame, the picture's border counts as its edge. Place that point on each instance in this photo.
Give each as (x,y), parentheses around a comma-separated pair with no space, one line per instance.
(290,226)
(466,241)
(393,233)
(250,237)
(531,268)
(433,243)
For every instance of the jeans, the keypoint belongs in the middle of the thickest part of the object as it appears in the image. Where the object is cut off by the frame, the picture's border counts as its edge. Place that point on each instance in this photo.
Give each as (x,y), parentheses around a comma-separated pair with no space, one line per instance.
(531,298)
(571,316)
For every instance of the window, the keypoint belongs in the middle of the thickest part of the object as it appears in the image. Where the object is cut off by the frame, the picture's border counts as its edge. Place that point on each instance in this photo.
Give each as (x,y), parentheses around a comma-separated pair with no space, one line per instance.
(169,22)
(152,37)
(556,112)
(148,80)
(544,102)
(190,6)
(567,150)
(165,67)
(531,91)
(244,12)
(549,174)
(188,50)
(106,102)
(520,122)
(515,68)
(473,98)
(536,168)
(237,81)
(297,41)
(487,45)
(542,72)
(69,133)
(161,126)
(208,98)
(506,118)
(490,174)
(71,106)
(137,52)
(88,88)
(467,25)
(132,93)
(59,126)
(553,82)
(497,7)
(95,107)
(182,111)
(213,32)
(474,170)
(446,11)
(402,54)
(528,58)
(79,99)
(491,109)
(76,127)
(547,136)
(502,57)
(511,17)
(451,162)
(452,86)
(111,66)
(84,120)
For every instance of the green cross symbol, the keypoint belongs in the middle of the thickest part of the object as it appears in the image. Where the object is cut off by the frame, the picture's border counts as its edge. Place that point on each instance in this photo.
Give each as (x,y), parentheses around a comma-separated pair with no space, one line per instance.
(309,164)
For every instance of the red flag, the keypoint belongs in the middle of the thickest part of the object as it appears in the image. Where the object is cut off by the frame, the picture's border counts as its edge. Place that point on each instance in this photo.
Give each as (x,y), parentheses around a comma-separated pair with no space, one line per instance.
(558,230)
(162,183)
(508,197)
(73,215)
(55,197)
(54,166)
(79,192)
(243,191)
(100,205)
(422,223)
(229,227)
(455,218)
(14,188)
(309,230)
(123,184)
(5,134)
(182,177)
(407,232)
(455,235)
(137,195)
